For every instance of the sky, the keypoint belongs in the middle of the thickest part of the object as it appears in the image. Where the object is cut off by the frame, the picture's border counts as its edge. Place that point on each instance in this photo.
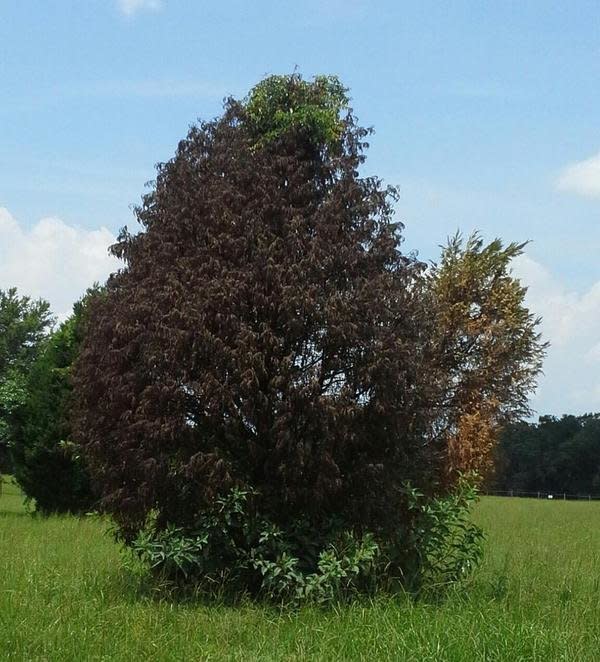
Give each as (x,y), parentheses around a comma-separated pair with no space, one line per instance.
(486,116)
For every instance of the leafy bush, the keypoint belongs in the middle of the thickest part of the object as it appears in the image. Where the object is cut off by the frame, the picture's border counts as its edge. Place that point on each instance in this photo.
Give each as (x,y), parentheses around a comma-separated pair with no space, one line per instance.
(444,545)
(234,549)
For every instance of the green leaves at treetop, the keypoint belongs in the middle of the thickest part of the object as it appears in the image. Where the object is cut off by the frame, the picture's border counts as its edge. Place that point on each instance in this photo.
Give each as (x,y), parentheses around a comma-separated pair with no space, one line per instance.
(279,104)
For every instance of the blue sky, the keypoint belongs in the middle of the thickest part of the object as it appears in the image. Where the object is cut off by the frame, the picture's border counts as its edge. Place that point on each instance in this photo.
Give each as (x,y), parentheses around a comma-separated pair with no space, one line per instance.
(487,116)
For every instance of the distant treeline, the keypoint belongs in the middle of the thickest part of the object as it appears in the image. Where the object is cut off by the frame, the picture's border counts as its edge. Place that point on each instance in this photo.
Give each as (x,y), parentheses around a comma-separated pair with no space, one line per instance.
(553,455)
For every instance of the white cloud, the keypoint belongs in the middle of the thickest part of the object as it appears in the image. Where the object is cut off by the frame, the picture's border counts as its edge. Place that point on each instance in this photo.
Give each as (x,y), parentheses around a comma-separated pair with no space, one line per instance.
(571,322)
(131,7)
(582,177)
(53,260)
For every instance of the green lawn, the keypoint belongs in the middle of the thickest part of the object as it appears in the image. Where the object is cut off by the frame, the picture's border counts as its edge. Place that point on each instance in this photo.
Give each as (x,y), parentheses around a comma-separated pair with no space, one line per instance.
(64,595)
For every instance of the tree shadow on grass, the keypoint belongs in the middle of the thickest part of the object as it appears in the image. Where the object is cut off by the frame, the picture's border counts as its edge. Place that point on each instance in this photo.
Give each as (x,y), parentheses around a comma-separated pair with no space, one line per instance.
(136,585)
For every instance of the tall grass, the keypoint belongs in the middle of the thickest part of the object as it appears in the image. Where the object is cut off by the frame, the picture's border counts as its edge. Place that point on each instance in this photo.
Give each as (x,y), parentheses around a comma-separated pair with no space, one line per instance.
(65,595)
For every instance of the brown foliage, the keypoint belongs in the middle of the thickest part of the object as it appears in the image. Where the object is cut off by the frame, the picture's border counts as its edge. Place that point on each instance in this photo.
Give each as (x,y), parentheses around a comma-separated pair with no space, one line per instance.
(266,331)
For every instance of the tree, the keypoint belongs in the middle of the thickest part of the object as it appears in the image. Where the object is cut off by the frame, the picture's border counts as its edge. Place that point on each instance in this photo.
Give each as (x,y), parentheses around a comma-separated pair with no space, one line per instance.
(486,351)
(266,334)
(47,464)
(23,325)
(553,455)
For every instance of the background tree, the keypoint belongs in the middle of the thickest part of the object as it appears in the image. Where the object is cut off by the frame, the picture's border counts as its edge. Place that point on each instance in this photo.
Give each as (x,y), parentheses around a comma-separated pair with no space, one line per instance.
(266,334)
(23,325)
(554,455)
(47,464)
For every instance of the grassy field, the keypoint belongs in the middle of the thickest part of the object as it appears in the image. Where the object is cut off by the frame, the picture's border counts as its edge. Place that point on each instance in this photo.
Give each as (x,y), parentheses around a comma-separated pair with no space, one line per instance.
(64,595)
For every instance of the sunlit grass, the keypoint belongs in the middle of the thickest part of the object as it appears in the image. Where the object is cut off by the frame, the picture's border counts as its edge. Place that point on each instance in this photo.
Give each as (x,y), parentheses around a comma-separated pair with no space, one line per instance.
(65,595)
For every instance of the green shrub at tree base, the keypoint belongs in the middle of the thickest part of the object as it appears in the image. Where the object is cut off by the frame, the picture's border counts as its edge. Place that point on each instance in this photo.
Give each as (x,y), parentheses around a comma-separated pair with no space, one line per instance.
(234,550)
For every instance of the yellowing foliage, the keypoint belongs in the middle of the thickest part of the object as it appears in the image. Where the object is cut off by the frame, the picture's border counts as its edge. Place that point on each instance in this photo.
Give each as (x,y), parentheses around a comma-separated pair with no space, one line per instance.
(487,351)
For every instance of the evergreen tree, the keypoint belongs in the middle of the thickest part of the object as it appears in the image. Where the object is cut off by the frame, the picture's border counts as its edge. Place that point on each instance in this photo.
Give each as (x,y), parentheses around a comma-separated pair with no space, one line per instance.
(47,464)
